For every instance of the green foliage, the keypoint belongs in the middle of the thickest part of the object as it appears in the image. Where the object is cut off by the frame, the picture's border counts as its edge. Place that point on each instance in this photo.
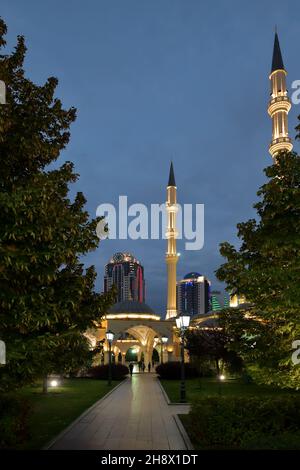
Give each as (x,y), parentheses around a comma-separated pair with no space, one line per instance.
(210,346)
(172,370)
(13,421)
(47,298)
(245,422)
(266,270)
(119,371)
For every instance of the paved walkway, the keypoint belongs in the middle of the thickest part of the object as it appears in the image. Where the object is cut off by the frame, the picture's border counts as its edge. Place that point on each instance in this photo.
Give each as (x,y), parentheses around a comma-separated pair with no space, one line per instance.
(134,416)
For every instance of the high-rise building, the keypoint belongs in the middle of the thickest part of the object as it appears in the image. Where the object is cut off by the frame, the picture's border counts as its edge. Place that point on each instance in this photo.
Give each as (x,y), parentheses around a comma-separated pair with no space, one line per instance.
(215,304)
(126,273)
(193,294)
(279,104)
(171,235)
(218,300)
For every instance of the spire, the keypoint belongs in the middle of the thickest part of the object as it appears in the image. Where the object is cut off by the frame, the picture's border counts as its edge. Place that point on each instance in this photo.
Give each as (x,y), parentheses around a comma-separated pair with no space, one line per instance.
(277,62)
(171,176)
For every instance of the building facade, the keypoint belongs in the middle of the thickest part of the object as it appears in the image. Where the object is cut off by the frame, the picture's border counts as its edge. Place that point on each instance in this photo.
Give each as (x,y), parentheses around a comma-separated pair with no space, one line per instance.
(218,300)
(126,273)
(193,294)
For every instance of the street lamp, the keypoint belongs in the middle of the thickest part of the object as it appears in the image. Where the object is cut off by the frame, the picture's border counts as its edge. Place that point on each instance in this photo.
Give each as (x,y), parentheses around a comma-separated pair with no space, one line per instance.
(182,324)
(110,337)
(164,340)
(221,379)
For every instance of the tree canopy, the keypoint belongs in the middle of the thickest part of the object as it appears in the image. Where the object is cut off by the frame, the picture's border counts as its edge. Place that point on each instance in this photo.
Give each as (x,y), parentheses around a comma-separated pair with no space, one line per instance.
(266,270)
(47,297)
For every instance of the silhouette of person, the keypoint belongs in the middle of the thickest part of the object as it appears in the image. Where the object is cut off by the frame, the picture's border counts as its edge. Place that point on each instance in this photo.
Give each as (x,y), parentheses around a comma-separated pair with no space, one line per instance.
(131,368)
(149,367)
(143,367)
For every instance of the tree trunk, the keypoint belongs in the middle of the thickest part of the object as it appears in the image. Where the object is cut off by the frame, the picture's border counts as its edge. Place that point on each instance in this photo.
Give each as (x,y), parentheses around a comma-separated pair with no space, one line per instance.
(45,384)
(217,367)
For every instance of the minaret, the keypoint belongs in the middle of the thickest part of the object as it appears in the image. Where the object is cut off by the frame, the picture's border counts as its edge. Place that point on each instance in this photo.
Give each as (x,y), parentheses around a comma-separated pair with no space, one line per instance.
(279,104)
(171,235)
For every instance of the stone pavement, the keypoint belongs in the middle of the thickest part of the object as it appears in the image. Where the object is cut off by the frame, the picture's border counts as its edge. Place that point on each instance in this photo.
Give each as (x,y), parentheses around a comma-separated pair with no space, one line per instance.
(134,416)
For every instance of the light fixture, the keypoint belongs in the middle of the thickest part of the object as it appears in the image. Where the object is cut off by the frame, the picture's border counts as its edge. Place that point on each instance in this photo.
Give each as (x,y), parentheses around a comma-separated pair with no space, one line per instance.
(109,336)
(183,322)
(164,339)
(222,377)
(54,383)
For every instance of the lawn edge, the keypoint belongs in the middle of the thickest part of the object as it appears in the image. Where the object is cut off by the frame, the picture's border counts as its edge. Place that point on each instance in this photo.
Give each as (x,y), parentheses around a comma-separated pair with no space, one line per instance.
(183,432)
(166,396)
(85,412)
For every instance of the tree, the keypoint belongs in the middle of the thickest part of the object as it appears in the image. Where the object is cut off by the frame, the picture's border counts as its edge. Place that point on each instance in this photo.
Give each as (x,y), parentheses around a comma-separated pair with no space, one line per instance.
(266,269)
(212,345)
(47,298)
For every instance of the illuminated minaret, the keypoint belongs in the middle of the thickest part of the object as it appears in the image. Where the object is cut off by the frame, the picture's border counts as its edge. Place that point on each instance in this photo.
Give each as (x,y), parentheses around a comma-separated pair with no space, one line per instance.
(279,104)
(171,235)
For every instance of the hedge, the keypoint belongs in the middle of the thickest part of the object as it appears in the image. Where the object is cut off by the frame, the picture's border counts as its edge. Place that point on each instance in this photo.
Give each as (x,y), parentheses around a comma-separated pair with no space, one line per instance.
(245,422)
(172,370)
(14,412)
(119,371)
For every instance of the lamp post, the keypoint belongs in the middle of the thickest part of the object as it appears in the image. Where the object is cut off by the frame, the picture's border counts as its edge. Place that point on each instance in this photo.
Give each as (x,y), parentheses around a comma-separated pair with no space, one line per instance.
(110,337)
(164,340)
(221,379)
(182,324)
(155,341)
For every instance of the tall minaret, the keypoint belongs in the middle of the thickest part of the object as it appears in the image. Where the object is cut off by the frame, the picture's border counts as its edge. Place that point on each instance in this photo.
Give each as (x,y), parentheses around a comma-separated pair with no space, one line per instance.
(279,104)
(171,235)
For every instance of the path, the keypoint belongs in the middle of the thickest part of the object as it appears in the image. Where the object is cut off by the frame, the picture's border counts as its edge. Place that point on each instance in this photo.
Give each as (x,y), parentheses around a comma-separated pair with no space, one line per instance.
(134,416)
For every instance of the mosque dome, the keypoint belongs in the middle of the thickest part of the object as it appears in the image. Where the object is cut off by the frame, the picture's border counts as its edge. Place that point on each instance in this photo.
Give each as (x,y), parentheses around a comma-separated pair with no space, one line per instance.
(192,275)
(131,306)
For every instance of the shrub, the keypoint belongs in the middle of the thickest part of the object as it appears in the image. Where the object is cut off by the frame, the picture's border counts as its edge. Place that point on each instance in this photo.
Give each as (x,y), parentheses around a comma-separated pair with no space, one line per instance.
(172,370)
(245,422)
(118,371)
(13,421)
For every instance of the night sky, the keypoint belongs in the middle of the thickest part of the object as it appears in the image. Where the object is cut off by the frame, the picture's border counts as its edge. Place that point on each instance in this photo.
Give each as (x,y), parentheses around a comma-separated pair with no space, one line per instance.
(157,80)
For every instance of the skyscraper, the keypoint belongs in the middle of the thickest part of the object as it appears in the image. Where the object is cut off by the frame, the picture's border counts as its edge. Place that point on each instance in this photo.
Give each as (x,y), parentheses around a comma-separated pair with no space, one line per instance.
(193,294)
(218,300)
(171,235)
(126,273)
(279,104)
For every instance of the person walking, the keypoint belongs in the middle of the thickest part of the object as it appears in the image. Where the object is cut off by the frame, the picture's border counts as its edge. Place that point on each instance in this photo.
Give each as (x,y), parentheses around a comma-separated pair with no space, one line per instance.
(131,369)
(149,367)
(143,367)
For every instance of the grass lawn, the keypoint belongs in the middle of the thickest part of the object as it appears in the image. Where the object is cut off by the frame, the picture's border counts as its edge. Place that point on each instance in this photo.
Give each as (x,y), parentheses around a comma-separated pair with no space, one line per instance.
(197,388)
(201,387)
(51,413)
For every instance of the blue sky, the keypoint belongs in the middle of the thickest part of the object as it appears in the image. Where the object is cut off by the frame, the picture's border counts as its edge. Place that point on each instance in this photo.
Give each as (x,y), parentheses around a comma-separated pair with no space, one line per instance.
(158,80)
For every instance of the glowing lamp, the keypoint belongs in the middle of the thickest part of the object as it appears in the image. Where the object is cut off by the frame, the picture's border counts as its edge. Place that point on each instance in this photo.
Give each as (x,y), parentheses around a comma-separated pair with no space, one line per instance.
(109,336)
(183,322)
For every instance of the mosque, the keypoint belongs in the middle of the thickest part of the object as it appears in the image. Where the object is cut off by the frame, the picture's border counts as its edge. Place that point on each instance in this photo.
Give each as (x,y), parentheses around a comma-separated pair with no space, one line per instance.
(135,325)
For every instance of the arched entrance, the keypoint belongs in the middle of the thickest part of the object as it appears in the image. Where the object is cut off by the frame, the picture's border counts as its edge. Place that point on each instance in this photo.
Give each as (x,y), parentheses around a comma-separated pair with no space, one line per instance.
(141,332)
(155,357)
(131,355)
